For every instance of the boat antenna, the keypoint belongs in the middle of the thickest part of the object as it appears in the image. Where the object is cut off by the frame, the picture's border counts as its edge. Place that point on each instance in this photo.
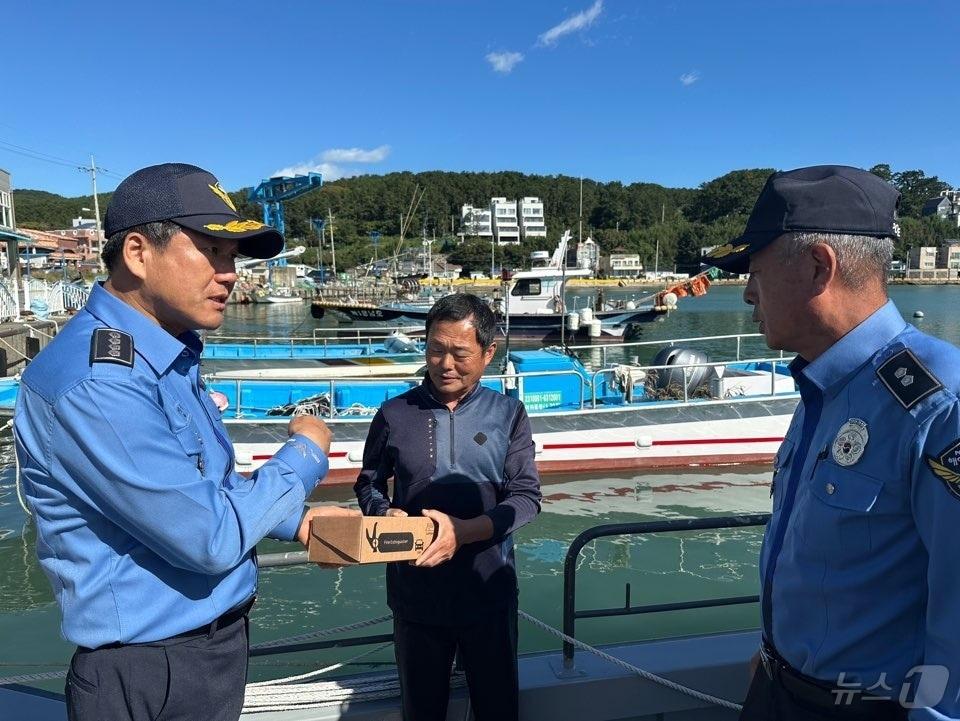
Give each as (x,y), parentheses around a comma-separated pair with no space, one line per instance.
(505,276)
(563,286)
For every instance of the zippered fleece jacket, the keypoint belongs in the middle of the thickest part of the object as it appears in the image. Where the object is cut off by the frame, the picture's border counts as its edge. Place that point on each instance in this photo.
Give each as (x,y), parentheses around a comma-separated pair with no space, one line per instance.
(476,459)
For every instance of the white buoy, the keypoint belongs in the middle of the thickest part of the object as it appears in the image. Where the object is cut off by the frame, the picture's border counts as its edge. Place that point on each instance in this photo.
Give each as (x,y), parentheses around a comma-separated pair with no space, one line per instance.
(918,314)
(631,305)
(586,315)
(593,328)
(670,300)
(573,321)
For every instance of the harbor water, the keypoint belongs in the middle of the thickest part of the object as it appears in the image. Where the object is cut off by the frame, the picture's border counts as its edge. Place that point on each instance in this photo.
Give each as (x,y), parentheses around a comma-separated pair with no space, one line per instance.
(659,569)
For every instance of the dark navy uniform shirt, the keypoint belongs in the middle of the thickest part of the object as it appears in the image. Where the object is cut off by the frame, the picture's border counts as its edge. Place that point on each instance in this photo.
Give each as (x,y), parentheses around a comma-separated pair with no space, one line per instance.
(477,459)
(143,526)
(860,568)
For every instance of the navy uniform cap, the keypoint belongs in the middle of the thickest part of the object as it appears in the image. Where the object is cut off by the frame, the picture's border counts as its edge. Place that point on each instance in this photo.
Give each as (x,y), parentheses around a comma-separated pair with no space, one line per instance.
(192,198)
(818,199)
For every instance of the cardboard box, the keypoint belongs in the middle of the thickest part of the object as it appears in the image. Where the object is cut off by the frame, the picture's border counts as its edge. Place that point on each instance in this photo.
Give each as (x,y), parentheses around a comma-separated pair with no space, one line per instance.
(369,539)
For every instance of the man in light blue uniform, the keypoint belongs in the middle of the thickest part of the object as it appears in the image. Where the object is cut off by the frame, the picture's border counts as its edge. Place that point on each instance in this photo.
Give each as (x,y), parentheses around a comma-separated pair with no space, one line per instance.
(860,576)
(144,529)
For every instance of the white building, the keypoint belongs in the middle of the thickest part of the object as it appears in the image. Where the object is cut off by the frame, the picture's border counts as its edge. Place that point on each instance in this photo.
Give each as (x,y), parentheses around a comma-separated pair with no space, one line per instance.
(6,202)
(588,255)
(506,228)
(923,258)
(949,254)
(532,224)
(624,265)
(475,222)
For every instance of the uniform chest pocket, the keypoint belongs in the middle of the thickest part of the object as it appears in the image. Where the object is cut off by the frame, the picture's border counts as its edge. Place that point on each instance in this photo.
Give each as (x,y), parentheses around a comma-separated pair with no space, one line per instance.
(840,510)
(781,466)
(192,444)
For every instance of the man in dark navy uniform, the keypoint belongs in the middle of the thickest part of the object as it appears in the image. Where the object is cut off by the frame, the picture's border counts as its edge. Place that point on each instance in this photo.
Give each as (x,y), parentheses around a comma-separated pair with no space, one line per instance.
(860,576)
(463,455)
(144,528)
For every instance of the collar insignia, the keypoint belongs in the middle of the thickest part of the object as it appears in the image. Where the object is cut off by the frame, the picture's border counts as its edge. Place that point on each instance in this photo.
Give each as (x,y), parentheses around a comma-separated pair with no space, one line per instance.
(222,194)
(109,345)
(851,442)
(907,379)
(946,467)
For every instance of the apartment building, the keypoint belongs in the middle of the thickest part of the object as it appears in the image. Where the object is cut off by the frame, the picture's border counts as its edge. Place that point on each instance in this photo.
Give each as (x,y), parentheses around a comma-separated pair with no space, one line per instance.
(532,223)
(475,222)
(506,226)
(923,258)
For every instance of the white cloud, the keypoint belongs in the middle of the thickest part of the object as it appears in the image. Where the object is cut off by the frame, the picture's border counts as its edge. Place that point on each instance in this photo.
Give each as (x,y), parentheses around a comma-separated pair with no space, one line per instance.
(329,162)
(572,24)
(356,155)
(504,62)
(690,78)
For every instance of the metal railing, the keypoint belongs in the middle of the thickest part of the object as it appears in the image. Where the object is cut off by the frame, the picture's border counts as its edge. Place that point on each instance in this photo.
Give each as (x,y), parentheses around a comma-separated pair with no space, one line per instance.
(330,385)
(570,612)
(321,336)
(19,296)
(513,380)
(738,337)
(9,302)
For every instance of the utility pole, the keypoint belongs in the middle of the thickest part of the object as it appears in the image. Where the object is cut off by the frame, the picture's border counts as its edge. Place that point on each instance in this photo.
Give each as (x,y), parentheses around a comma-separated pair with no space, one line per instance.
(333,248)
(580,232)
(96,210)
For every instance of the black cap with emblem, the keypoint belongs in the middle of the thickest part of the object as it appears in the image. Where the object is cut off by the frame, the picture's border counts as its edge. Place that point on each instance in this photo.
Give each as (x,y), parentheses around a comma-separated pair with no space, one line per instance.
(192,198)
(818,199)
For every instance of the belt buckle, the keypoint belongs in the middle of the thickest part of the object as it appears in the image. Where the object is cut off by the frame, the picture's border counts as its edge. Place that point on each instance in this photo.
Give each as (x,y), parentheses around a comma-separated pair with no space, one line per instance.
(767,662)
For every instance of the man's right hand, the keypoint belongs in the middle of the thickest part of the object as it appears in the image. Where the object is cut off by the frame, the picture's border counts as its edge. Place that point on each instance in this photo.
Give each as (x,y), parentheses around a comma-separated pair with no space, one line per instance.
(314,429)
(395,512)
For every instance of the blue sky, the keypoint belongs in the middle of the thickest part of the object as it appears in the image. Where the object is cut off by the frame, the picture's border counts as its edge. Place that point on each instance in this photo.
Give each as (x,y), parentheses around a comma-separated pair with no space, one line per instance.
(675,93)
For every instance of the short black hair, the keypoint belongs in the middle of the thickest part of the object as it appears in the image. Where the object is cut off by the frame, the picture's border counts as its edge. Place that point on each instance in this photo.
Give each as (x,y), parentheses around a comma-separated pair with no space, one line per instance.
(158,234)
(461,306)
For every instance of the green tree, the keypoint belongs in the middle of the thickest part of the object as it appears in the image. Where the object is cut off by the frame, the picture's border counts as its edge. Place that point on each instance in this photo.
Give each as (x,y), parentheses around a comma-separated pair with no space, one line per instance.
(732,194)
(916,188)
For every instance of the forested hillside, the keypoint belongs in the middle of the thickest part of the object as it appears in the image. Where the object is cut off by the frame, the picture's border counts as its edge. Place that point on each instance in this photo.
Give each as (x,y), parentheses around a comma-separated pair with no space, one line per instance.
(633,217)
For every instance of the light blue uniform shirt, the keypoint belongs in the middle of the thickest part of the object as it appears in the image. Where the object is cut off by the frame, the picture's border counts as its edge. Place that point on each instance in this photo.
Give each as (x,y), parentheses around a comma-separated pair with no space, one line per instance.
(860,568)
(143,526)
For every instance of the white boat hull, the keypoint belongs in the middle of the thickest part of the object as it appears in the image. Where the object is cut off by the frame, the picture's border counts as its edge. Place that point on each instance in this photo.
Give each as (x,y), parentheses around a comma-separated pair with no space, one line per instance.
(629,441)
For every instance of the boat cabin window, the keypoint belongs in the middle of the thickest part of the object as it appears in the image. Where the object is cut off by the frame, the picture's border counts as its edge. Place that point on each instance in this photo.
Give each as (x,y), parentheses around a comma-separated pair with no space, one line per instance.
(526,286)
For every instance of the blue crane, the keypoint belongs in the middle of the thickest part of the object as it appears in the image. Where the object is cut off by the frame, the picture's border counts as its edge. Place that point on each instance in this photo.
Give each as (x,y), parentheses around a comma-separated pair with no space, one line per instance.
(273,192)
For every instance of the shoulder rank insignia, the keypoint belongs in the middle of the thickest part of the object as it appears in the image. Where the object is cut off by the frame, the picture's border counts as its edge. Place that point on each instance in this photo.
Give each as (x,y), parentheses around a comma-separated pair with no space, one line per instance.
(907,379)
(111,346)
(946,467)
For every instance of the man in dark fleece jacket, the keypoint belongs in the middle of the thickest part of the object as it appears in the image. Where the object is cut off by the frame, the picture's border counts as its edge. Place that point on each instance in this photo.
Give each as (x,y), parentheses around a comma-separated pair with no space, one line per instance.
(463,455)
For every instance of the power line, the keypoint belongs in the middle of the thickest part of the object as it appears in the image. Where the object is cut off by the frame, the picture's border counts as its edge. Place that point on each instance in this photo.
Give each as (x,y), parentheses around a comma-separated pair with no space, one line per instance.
(53,159)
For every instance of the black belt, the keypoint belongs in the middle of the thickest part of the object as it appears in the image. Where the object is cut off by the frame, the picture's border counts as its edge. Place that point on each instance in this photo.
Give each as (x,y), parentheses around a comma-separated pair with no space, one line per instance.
(823,694)
(221,621)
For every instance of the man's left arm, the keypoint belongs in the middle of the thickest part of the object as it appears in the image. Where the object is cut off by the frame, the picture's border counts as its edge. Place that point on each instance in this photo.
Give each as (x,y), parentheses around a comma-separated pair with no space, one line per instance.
(521,497)
(936,510)
(519,504)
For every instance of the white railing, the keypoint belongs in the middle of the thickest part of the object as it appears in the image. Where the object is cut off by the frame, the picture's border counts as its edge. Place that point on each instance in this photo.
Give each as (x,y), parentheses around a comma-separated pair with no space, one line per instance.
(39,297)
(9,303)
(42,297)
(74,297)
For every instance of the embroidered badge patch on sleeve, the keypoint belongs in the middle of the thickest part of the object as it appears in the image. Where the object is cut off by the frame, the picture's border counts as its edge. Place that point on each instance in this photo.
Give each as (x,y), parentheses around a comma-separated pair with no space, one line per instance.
(946,467)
